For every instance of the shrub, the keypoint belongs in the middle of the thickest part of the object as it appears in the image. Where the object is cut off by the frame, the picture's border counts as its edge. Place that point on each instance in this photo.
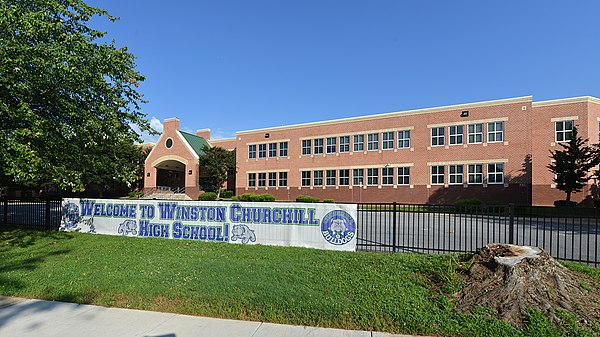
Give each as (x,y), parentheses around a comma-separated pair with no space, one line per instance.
(208,196)
(227,194)
(563,203)
(256,197)
(245,197)
(235,198)
(329,201)
(307,198)
(266,197)
(468,202)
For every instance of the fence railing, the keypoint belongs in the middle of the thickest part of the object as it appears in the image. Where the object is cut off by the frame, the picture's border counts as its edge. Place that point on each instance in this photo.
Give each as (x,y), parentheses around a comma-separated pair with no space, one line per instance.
(571,234)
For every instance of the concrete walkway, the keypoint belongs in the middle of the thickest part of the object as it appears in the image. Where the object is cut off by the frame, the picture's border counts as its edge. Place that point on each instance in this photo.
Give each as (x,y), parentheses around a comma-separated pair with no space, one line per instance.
(37,318)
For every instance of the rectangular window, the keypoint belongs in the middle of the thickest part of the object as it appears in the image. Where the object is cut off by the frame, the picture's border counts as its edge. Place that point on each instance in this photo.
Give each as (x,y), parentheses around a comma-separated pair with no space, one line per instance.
(456,174)
(317,178)
(438,136)
(318,146)
(495,132)
(262,179)
(404,139)
(359,143)
(331,144)
(387,140)
(345,144)
(344,177)
(252,151)
(283,179)
(456,134)
(272,150)
(475,133)
(437,175)
(358,178)
(372,176)
(272,179)
(373,141)
(330,181)
(262,150)
(305,178)
(283,149)
(495,173)
(306,147)
(564,131)
(404,175)
(475,174)
(387,176)
(251,179)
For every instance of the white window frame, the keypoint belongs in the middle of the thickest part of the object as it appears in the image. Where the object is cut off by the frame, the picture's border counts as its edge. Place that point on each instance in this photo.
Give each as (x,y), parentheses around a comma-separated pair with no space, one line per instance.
(373,176)
(344,178)
(387,140)
(437,177)
(493,173)
(455,177)
(475,133)
(251,179)
(475,174)
(387,176)
(262,179)
(252,151)
(272,150)
(359,143)
(272,179)
(438,136)
(331,144)
(563,132)
(318,146)
(372,142)
(305,179)
(344,144)
(358,177)
(493,134)
(306,147)
(318,178)
(456,137)
(283,179)
(404,139)
(330,177)
(403,173)
(283,149)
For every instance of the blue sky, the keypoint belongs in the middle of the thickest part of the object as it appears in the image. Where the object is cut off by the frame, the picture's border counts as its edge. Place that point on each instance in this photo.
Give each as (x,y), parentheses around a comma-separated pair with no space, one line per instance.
(240,65)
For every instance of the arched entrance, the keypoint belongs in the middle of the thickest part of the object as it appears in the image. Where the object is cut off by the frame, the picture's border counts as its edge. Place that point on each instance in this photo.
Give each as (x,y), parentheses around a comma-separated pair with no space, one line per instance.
(170,174)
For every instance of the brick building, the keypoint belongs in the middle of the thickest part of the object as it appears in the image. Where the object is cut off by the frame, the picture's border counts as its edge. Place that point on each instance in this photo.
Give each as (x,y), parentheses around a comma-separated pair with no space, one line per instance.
(494,150)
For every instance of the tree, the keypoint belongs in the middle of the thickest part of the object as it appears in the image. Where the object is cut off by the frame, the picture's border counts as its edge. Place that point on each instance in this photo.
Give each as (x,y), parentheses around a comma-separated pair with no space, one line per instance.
(571,165)
(216,163)
(67,101)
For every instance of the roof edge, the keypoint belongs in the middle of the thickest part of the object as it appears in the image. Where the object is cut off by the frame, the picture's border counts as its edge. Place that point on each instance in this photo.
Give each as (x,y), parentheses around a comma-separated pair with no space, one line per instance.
(569,100)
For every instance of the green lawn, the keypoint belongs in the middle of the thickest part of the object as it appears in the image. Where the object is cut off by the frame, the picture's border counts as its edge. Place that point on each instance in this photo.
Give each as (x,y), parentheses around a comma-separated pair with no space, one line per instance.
(402,293)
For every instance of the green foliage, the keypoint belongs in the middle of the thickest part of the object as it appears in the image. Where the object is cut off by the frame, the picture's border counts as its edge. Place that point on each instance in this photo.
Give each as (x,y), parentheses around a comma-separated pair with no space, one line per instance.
(468,202)
(215,164)
(227,194)
(328,201)
(572,164)
(307,198)
(256,197)
(67,101)
(208,196)
(266,197)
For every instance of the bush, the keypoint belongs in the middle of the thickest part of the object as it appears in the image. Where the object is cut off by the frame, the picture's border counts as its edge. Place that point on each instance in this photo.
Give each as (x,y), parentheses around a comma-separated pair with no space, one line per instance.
(266,197)
(563,203)
(468,202)
(307,198)
(256,197)
(208,196)
(329,201)
(235,198)
(227,194)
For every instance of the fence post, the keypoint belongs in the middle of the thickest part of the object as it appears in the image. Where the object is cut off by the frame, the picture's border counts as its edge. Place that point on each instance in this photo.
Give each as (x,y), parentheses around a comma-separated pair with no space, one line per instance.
(47,223)
(5,211)
(511,223)
(394,230)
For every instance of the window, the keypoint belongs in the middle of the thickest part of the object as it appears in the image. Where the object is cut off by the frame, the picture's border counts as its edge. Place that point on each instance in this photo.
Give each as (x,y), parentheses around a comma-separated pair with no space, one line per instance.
(262,179)
(251,151)
(438,136)
(387,175)
(456,134)
(358,177)
(283,179)
(403,175)
(564,131)
(305,178)
(373,141)
(317,178)
(272,179)
(318,146)
(495,173)
(330,181)
(345,144)
(359,143)
(306,146)
(262,150)
(283,149)
(344,177)
(251,179)
(456,174)
(272,150)
(437,175)
(475,174)
(331,144)
(387,140)
(404,139)
(372,176)
(475,133)
(495,132)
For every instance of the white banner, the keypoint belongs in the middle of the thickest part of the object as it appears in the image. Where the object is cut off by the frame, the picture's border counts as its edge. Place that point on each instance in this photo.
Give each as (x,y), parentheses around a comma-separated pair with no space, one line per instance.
(322,226)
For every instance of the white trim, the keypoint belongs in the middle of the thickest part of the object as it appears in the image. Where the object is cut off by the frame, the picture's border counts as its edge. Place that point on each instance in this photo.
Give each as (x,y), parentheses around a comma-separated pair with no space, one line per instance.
(562,119)
(361,132)
(170,157)
(467,162)
(580,99)
(187,145)
(268,171)
(272,141)
(467,122)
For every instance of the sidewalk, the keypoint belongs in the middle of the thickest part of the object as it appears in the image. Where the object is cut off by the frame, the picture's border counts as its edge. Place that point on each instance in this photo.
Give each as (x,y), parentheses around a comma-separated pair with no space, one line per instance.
(37,318)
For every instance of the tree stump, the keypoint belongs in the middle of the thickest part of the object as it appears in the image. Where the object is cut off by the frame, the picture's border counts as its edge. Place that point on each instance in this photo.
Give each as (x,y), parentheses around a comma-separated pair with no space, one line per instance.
(513,279)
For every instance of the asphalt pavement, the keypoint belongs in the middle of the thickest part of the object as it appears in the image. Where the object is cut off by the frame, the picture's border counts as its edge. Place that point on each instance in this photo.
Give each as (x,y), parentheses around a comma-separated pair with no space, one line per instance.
(38,318)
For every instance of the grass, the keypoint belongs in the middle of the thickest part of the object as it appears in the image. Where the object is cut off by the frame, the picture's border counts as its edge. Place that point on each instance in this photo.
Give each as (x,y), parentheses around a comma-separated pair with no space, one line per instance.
(402,293)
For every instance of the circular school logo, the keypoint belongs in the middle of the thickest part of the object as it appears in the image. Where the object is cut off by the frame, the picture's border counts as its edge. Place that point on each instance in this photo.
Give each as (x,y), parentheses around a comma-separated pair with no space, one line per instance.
(70,215)
(338,227)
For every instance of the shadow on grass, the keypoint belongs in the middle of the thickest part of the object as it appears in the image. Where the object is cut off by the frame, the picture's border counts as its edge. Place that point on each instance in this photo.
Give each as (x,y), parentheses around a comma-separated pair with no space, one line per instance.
(20,237)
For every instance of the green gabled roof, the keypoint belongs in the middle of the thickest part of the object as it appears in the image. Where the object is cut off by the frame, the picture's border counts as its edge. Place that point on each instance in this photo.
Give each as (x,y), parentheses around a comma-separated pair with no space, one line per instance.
(195,142)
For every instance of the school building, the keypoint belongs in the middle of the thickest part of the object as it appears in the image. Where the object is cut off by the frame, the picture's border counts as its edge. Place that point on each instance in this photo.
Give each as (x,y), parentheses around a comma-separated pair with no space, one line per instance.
(493,150)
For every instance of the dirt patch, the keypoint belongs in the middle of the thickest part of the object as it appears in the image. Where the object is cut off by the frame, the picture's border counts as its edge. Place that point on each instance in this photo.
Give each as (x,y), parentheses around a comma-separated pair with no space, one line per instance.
(511,279)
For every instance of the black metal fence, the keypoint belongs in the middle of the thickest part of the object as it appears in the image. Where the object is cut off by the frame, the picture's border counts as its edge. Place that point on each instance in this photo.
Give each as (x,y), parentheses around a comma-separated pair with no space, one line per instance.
(570,234)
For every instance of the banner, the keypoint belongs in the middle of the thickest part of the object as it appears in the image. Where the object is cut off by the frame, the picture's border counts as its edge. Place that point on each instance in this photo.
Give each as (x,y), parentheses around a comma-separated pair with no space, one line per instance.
(318,225)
